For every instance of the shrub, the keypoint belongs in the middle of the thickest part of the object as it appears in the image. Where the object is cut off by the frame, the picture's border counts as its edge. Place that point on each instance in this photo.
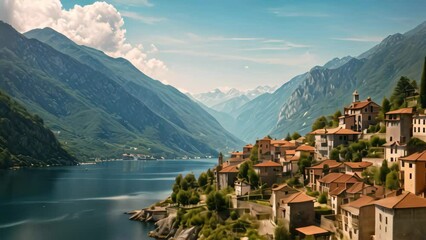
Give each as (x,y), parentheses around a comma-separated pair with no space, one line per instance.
(322,198)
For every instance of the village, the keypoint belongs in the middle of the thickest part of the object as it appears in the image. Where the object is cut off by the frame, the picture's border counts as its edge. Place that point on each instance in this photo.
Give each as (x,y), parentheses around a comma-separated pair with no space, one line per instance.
(362,179)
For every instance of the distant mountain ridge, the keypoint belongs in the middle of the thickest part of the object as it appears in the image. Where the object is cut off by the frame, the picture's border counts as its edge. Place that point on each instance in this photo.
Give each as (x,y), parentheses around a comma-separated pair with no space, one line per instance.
(103,106)
(324,89)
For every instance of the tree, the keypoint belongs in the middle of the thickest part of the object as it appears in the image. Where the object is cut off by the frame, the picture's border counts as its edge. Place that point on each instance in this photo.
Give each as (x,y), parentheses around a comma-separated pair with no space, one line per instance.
(303,163)
(375,141)
(322,198)
(288,138)
(392,182)
(334,154)
(183,197)
(384,170)
(423,87)
(386,106)
(253,178)
(400,91)
(319,123)
(254,155)
(356,157)
(243,171)
(326,169)
(295,136)
(335,117)
(203,180)
(281,232)
(415,145)
(216,201)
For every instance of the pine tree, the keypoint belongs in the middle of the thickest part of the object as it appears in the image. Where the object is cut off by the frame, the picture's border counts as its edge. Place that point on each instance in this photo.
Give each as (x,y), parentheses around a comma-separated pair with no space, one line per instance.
(423,87)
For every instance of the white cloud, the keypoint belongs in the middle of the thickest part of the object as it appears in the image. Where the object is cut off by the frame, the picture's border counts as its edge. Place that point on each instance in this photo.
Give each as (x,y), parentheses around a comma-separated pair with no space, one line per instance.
(145,19)
(145,3)
(97,25)
(359,39)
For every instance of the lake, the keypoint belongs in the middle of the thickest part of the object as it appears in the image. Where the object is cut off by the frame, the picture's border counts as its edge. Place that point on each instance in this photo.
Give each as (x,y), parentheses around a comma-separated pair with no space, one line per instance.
(88,201)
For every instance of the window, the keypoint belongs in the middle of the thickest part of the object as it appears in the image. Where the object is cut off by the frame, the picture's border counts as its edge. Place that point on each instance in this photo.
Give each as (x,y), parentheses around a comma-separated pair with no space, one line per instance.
(402,164)
(424,122)
(390,139)
(414,129)
(391,150)
(380,217)
(386,220)
(396,149)
(410,176)
(423,130)
(369,117)
(410,165)
(365,110)
(391,159)
(371,108)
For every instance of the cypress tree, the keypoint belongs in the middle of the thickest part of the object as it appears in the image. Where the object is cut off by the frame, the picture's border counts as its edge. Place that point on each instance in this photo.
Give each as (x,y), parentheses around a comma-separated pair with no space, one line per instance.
(423,87)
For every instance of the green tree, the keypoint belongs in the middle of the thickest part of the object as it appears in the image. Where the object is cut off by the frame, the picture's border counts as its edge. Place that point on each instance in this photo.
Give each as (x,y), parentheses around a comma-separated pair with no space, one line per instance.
(322,198)
(400,91)
(319,123)
(415,145)
(303,163)
(243,171)
(183,197)
(216,201)
(334,154)
(295,136)
(254,155)
(281,232)
(384,170)
(423,87)
(288,137)
(203,180)
(356,157)
(392,182)
(335,118)
(326,169)
(386,105)
(253,178)
(376,141)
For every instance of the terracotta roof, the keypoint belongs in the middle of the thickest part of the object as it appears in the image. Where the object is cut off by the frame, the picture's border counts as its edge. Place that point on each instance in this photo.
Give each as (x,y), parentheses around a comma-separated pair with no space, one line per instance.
(229,169)
(330,163)
(393,143)
(283,142)
(268,164)
(358,164)
(305,148)
(294,158)
(354,206)
(237,153)
(249,146)
(405,200)
(266,138)
(281,186)
(311,230)
(357,187)
(338,178)
(336,131)
(402,111)
(296,198)
(416,157)
(290,152)
(337,191)
(361,104)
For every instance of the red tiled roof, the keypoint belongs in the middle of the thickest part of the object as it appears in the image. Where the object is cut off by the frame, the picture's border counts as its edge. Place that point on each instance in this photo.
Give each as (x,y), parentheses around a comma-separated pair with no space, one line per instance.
(405,200)
(416,157)
(357,187)
(334,131)
(305,148)
(311,230)
(361,104)
(268,164)
(281,186)
(230,169)
(330,163)
(237,153)
(337,191)
(338,178)
(294,158)
(360,202)
(358,164)
(296,198)
(290,152)
(401,111)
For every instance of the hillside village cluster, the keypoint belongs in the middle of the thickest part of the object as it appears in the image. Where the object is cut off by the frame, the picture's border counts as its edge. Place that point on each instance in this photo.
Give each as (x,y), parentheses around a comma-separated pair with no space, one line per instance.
(353,205)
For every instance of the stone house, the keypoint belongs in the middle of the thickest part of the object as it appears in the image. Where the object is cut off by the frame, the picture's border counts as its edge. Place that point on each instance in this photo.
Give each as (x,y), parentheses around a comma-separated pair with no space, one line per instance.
(297,210)
(279,192)
(358,218)
(269,172)
(327,139)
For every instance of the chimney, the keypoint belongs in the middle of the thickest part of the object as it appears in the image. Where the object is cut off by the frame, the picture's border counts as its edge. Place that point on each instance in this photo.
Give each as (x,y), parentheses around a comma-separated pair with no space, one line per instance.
(355,96)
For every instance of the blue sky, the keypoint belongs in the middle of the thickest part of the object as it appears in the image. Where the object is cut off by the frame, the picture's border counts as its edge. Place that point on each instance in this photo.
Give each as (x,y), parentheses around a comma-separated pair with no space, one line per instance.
(243,44)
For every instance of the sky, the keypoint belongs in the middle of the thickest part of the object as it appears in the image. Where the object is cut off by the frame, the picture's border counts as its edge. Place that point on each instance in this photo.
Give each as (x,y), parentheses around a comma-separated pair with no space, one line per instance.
(197,46)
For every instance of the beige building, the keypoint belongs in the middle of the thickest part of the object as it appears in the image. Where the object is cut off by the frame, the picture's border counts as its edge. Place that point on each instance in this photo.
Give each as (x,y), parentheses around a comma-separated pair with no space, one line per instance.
(419,126)
(247,151)
(402,217)
(241,188)
(398,133)
(413,173)
(278,193)
(358,218)
(227,176)
(315,172)
(360,114)
(327,139)
(297,210)
(269,172)
(332,181)
(264,149)
(356,167)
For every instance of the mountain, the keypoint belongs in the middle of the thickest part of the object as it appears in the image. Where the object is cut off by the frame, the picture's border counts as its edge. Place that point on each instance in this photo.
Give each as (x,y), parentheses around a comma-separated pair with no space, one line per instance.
(102,106)
(25,141)
(323,90)
(231,105)
(218,99)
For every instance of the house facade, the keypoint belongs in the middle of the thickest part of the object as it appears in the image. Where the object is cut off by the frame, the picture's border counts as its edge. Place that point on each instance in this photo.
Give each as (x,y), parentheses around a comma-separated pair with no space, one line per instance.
(358,218)
(269,172)
(327,139)
(413,173)
(398,132)
(297,210)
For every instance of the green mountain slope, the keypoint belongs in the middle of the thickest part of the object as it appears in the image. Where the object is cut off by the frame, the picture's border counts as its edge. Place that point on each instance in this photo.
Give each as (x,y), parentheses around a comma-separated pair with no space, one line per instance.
(95,114)
(24,141)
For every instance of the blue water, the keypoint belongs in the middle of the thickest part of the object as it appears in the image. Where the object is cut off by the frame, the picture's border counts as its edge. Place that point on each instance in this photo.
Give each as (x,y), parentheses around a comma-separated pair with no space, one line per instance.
(86,202)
